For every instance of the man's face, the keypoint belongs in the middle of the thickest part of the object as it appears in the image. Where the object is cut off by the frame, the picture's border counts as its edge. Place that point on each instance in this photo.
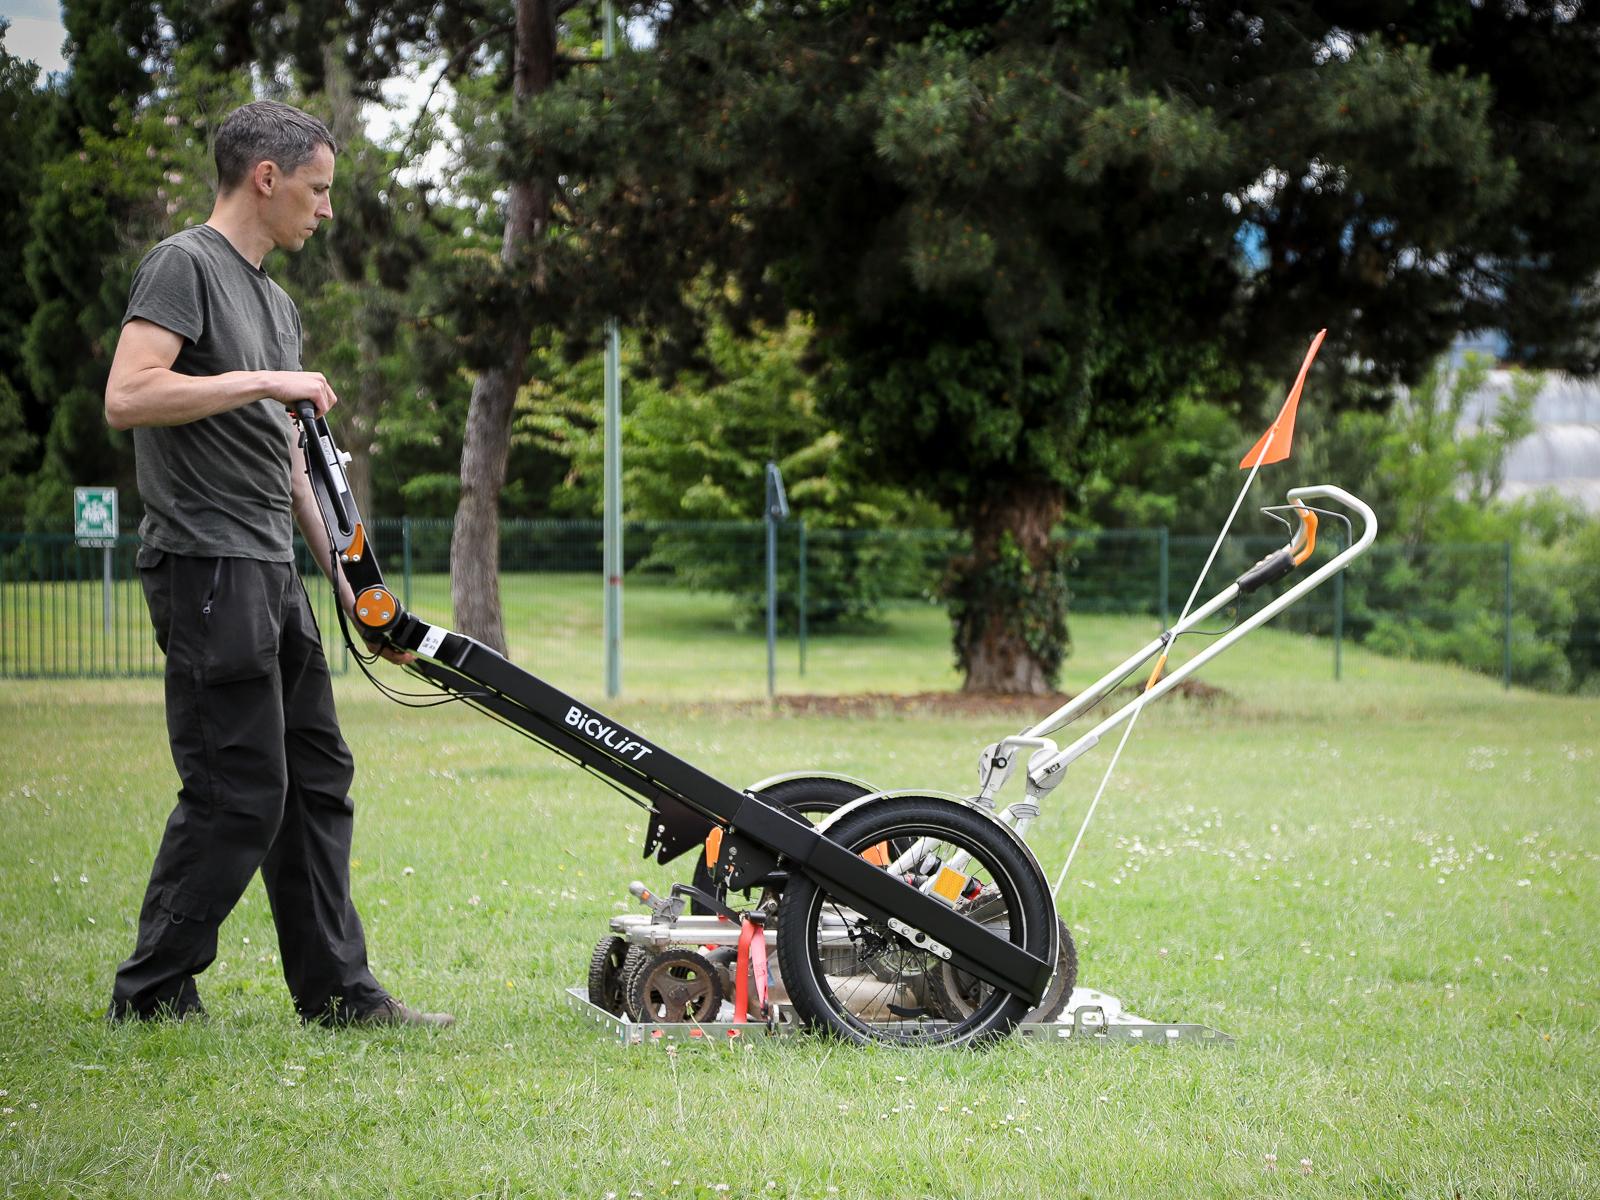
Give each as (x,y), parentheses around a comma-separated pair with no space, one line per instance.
(300,201)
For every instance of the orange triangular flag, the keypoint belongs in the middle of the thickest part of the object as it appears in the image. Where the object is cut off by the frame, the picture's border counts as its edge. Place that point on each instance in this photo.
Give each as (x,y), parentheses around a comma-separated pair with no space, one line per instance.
(1273,445)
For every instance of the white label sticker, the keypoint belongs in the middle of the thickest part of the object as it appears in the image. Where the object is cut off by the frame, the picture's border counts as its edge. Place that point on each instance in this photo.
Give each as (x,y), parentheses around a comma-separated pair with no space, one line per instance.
(334,469)
(431,641)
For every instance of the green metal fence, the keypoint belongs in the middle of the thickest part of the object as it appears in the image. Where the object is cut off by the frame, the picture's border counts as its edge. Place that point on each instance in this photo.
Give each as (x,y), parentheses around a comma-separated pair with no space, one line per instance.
(1467,603)
(64,615)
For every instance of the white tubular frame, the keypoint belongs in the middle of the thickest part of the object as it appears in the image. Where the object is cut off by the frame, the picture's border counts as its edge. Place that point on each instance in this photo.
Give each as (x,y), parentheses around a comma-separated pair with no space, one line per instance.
(1039,773)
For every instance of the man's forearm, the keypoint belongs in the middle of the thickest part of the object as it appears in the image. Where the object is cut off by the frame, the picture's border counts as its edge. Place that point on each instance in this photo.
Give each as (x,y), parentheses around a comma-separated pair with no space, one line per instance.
(160,396)
(309,518)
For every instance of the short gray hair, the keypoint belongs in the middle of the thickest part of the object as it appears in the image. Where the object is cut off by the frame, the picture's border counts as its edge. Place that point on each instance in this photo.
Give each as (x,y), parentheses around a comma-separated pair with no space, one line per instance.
(267,131)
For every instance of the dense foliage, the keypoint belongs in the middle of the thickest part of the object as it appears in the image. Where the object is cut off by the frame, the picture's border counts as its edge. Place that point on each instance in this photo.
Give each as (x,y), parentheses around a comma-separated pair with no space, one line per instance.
(1438,587)
(694,470)
(1025,230)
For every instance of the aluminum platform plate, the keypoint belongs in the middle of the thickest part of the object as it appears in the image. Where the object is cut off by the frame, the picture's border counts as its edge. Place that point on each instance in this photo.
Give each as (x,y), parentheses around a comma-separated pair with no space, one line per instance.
(1090,1016)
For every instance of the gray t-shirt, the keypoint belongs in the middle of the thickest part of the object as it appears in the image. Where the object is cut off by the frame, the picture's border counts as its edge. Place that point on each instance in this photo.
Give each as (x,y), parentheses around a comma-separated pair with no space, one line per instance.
(218,486)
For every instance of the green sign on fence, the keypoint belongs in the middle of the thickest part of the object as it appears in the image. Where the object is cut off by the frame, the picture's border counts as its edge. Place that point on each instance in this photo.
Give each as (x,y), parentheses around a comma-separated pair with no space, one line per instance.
(94,516)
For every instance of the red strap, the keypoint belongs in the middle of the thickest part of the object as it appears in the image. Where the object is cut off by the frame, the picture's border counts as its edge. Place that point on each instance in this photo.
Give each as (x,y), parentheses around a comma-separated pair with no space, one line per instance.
(741,973)
(752,960)
(758,963)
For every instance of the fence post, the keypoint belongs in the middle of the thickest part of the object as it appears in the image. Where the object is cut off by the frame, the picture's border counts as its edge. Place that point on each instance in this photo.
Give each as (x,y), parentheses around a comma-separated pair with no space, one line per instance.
(405,578)
(1163,573)
(1506,552)
(1338,619)
(800,600)
(105,589)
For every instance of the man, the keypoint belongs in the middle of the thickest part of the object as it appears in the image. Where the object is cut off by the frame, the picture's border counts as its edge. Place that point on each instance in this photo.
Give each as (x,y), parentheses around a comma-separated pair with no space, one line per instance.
(206,366)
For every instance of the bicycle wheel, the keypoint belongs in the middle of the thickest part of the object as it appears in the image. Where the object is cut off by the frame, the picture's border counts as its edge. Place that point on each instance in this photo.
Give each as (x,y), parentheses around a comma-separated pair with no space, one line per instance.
(855,978)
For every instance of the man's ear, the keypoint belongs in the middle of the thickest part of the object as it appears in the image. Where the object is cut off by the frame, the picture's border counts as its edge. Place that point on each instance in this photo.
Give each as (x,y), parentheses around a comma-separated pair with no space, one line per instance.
(265,176)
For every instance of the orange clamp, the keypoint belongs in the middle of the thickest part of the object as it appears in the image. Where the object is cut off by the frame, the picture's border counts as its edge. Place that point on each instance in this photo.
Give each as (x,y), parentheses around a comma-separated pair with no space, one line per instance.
(357,546)
(375,607)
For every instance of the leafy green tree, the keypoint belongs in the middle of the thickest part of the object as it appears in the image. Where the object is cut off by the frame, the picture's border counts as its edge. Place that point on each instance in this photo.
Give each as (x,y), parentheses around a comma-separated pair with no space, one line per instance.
(698,446)
(1181,476)
(530,64)
(74,255)
(1434,588)
(697,450)
(1025,230)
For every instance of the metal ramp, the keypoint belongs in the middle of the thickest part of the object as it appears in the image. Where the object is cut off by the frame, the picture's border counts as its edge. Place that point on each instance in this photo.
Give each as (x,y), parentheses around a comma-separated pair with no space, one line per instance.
(1090,1016)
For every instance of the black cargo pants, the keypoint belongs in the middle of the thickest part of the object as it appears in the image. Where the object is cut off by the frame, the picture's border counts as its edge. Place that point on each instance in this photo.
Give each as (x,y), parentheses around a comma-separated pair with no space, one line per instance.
(265,779)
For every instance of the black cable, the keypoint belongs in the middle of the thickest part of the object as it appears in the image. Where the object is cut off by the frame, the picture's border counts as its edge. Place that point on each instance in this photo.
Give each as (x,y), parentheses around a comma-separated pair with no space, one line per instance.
(1211,632)
(388,691)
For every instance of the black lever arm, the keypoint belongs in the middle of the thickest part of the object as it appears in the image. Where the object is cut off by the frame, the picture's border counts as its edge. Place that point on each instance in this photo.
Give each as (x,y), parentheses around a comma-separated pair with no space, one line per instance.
(376,610)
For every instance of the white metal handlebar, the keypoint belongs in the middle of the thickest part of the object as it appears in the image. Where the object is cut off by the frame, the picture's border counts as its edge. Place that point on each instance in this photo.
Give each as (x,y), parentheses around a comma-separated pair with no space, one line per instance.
(1041,772)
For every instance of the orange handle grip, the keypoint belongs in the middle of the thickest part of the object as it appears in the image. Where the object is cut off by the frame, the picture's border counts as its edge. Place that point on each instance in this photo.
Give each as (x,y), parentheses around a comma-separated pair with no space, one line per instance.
(1306,539)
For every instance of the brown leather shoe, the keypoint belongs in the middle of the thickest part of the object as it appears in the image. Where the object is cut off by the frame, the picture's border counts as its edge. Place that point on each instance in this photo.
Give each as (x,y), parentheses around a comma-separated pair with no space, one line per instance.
(392,1012)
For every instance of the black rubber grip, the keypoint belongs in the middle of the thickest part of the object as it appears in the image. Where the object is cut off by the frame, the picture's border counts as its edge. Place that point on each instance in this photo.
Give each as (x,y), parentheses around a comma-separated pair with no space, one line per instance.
(1274,566)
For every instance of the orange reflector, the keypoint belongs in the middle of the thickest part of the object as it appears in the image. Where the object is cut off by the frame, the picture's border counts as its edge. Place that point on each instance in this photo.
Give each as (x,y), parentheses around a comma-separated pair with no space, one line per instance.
(948,884)
(713,845)
(877,855)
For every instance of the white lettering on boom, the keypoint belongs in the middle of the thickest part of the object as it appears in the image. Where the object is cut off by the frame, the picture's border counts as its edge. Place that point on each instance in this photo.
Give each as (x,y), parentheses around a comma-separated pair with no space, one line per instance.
(606,735)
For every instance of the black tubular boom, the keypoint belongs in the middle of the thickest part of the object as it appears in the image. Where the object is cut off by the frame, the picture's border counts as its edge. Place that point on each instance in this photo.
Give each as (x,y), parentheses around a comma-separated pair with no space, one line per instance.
(685,802)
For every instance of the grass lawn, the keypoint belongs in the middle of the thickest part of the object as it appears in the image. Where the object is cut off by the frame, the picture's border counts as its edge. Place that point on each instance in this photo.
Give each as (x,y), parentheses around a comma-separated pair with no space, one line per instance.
(1385,888)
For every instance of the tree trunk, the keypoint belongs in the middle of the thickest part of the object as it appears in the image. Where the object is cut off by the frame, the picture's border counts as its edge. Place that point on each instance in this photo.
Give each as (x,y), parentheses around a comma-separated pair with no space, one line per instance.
(475,541)
(1008,599)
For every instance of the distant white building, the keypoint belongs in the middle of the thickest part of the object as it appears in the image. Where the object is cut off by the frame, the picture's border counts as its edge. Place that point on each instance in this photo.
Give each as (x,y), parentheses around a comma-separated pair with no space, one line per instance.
(1563,451)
